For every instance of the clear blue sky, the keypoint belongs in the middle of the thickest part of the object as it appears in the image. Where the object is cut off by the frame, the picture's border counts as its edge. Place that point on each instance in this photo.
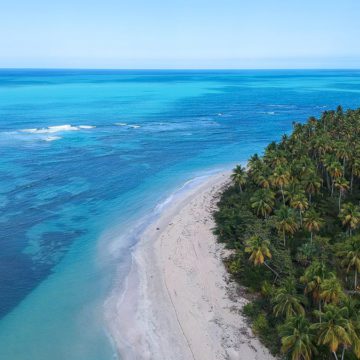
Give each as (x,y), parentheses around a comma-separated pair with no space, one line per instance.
(180,33)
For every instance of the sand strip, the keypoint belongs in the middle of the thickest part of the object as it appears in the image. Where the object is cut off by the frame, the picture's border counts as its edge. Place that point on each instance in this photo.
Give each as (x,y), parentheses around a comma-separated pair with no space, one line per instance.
(177,304)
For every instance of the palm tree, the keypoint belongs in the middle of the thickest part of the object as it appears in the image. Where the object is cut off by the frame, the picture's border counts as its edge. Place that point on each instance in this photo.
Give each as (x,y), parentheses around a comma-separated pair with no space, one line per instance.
(280,178)
(327,161)
(342,185)
(350,216)
(313,278)
(263,202)
(299,203)
(297,338)
(355,170)
(255,165)
(263,181)
(350,254)
(296,167)
(343,153)
(286,301)
(274,157)
(320,146)
(291,190)
(334,330)
(331,290)
(286,221)
(311,124)
(335,171)
(312,184)
(312,222)
(351,307)
(253,162)
(239,176)
(258,171)
(259,250)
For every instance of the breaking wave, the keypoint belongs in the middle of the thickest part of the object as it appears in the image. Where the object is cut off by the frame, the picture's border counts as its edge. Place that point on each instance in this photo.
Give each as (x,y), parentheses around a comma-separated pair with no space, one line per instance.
(56,129)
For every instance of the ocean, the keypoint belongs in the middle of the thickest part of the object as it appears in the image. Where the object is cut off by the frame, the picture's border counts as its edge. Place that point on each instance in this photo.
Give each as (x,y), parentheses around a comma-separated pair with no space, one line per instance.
(88,158)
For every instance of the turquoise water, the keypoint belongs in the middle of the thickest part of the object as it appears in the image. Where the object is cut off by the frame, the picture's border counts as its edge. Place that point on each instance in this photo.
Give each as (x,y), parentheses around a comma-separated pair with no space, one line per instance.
(85,154)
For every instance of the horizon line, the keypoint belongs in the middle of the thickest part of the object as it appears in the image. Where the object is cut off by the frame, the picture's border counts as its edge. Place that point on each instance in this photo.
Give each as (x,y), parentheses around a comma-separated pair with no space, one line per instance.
(179,69)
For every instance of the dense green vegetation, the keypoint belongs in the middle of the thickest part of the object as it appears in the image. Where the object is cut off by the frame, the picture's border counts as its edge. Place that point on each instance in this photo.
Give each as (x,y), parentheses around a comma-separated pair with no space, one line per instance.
(292,219)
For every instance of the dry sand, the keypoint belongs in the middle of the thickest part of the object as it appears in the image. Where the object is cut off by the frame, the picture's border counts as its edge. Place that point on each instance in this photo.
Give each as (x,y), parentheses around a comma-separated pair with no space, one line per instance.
(177,304)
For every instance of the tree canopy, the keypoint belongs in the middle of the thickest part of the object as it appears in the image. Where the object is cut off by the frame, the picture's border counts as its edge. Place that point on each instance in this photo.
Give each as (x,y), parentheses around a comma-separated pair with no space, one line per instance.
(292,218)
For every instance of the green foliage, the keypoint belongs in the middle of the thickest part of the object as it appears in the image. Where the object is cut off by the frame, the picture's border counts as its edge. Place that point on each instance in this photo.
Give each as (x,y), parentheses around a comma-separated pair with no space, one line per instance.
(293,219)
(265,332)
(251,310)
(260,324)
(297,338)
(234,264)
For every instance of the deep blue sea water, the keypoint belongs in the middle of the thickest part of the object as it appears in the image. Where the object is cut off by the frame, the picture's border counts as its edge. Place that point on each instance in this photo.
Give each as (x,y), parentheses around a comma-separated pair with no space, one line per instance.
(85,154)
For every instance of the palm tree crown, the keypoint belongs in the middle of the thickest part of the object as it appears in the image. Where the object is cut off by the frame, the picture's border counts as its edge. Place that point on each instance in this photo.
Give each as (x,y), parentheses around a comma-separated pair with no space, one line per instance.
(350,255)
(312,222)
(258,249)
(239,177)
(350,216)
(286,221)
(263,202)
(297,338)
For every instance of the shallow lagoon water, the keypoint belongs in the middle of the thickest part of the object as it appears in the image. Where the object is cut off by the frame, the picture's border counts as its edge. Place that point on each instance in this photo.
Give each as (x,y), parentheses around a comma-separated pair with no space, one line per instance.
(86,156)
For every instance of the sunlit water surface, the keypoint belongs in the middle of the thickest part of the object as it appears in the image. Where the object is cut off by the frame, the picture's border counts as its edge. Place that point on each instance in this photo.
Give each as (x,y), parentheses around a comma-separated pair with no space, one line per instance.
(86,154)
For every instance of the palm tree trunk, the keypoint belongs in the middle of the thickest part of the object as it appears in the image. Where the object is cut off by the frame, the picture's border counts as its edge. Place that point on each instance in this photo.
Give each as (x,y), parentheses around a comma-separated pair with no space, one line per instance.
(327,179)
(343,353)
(311,236)
(300,217)
(340,200)
(335,355)
(355,280)
(272,270)
(284,238)
(282,194)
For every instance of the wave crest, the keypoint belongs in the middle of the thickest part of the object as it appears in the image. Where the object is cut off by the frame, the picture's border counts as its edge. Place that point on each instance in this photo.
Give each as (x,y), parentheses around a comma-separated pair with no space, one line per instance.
(56,128)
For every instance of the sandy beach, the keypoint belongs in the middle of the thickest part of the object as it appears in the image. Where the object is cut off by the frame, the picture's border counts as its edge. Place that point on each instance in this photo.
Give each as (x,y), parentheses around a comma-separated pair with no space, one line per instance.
(178,303)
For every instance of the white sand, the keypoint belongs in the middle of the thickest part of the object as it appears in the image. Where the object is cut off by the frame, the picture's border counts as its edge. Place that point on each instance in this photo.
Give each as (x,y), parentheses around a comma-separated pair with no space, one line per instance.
(178,306)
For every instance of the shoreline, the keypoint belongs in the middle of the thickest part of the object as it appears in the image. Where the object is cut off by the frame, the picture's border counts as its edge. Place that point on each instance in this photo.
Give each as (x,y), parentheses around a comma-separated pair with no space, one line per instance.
(176,302)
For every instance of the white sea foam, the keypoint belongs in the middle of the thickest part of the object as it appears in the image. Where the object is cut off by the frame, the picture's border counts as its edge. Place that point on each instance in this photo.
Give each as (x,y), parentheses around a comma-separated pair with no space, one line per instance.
(50,129)
(56,129)
(61,128)
(52,138)
(86,126)
(283,106)
(161,126)
(268,112)
(134,126)
(32,131)
(47,134)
